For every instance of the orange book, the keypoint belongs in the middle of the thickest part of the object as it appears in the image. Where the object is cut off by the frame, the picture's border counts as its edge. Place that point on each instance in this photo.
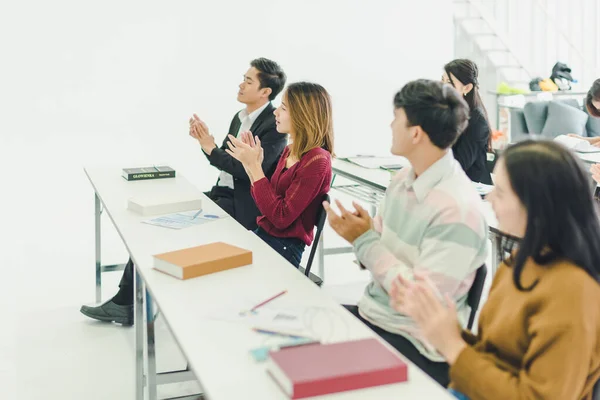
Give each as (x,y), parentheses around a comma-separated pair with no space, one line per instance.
(202,260)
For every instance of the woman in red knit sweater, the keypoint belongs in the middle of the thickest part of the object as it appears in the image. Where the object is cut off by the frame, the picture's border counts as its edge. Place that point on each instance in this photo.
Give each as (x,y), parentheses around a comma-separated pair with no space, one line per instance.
(290,201)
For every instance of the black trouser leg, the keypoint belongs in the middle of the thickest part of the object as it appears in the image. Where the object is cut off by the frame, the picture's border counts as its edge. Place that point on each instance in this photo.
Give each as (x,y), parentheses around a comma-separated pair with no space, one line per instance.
(437,370)
(124,296)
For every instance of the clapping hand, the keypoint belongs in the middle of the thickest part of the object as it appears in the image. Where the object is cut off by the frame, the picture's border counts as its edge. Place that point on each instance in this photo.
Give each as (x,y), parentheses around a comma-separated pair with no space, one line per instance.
(437,319)
(349,225)
(249,152)
(199,131)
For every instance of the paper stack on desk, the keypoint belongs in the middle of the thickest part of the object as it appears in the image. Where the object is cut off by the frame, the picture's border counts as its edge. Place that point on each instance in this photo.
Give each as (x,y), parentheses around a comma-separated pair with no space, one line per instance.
(374,162)
(165,203)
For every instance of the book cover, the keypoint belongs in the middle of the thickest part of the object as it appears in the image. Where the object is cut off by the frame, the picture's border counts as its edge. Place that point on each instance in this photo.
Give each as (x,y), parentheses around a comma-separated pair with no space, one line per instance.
(202,260)
(317,369)
(156,172)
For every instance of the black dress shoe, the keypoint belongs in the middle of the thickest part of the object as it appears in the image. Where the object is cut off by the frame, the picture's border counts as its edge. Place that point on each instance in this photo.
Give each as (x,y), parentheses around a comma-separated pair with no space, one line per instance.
(110,312)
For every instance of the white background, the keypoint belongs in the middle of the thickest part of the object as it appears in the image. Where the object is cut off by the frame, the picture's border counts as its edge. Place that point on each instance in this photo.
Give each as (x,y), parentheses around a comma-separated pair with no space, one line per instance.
(130,71)
(88,83)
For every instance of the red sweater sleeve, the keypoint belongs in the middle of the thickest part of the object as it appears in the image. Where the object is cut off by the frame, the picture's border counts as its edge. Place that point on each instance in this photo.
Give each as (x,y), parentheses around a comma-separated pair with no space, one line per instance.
(282,211)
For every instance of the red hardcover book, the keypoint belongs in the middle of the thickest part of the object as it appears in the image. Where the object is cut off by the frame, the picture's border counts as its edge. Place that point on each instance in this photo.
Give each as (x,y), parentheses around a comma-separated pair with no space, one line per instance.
(317,369)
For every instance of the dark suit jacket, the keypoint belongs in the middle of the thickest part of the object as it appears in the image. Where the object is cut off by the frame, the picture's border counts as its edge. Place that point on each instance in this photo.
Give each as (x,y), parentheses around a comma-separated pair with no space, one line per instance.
(470,150)
(273,143)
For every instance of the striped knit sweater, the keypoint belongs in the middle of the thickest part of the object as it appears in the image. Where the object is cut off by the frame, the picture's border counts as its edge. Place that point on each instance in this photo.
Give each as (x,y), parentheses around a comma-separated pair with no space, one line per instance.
(432,224)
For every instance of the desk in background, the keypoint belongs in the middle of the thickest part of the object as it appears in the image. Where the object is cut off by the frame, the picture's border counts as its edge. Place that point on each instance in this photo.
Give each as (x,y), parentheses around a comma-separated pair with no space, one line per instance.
(369,185)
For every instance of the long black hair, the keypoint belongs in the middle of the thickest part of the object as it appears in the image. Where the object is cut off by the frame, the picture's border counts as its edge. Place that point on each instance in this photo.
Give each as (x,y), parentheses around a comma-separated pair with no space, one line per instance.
(562,222)
(466,72)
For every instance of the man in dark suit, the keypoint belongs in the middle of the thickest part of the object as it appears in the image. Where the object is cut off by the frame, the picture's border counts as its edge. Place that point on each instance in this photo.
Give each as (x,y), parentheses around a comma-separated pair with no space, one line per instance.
(262,83)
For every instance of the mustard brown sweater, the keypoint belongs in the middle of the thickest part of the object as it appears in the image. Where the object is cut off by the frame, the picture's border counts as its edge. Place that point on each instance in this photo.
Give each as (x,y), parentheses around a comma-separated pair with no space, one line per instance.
(538,344)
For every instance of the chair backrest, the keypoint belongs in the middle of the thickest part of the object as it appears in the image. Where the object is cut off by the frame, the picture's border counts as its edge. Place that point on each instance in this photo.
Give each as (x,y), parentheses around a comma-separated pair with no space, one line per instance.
(474,296)
(320,223)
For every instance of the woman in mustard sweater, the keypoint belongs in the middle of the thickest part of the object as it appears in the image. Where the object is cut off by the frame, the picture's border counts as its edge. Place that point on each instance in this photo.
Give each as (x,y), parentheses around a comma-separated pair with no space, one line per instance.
(539,331)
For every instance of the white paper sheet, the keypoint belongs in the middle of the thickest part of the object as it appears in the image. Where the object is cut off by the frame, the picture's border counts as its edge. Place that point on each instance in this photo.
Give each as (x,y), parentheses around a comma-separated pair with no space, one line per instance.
(374,162)
(184,219)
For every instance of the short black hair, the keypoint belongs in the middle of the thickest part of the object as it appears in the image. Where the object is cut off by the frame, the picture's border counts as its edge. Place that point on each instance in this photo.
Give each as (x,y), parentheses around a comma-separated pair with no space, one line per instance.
(270,75)
(436,107)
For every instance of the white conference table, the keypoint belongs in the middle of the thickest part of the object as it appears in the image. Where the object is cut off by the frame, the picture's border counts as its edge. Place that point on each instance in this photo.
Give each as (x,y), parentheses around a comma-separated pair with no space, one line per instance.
(218,351)
(376,181)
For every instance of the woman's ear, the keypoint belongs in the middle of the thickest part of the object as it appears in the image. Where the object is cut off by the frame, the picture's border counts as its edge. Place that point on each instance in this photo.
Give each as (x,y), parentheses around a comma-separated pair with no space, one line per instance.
(467,88)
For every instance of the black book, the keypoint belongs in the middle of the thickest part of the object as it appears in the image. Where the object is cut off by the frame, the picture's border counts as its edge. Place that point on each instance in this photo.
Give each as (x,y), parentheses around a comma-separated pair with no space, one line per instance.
(139,174)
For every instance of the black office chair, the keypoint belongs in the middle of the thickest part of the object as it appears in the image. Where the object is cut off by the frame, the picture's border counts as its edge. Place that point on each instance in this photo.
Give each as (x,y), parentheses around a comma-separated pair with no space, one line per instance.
(474,296)
(320,224)
(596,391)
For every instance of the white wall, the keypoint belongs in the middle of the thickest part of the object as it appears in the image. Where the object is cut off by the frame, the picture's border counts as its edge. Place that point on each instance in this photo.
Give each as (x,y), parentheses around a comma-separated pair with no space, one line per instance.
(114,82)
(132,73)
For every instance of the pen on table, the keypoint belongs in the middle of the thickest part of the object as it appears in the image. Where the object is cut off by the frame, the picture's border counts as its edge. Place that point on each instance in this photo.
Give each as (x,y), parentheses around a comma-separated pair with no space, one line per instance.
(263,303)
(198,213)
(268,300)
(290,335)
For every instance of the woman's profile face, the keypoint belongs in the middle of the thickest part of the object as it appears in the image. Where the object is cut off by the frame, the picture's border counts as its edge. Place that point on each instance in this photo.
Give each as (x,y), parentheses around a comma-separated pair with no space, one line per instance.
(510,212)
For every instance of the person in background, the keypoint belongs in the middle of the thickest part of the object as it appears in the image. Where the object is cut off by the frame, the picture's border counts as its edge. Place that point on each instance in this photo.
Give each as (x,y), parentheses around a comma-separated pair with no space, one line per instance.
(430,220)
(290,200)
(539,331)
(592,103)
(473,144)
(263,81)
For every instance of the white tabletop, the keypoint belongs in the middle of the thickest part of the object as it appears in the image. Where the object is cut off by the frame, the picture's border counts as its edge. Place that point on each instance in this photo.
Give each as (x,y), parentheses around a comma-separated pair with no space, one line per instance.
(218,351)
(376,178)
(591,158)
(379,179)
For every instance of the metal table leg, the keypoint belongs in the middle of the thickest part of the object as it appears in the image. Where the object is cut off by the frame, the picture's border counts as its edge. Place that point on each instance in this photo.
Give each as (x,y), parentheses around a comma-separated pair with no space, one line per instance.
(151,376)
(98,249)
(139,336)
(321,254)
(98,236)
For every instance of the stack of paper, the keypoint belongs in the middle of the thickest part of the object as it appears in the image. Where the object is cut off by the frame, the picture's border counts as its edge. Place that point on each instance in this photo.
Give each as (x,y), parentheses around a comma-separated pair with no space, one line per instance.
(373,162)
(165,203)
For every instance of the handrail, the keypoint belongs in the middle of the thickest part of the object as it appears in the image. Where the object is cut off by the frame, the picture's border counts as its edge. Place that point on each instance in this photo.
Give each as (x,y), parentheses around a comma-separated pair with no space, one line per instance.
(491,23)
(551,18)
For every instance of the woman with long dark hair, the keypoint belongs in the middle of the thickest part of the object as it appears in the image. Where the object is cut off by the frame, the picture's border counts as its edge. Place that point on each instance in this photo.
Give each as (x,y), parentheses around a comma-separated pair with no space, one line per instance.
(470,150)
(539,331)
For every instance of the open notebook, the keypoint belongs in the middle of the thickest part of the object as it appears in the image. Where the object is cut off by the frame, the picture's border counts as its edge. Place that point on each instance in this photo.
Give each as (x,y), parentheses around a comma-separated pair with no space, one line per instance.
(575,144)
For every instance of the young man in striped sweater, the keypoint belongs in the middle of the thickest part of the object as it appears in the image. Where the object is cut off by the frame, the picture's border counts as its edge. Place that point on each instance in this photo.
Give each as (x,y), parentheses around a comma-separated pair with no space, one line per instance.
(431,221)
